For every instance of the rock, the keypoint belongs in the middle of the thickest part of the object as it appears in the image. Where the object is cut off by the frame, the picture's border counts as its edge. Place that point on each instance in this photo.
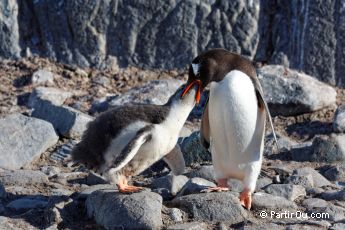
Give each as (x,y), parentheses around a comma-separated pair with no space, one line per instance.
(318,179)
(55,96)
(189,226)
(336,172)
(15,224)
(305,181)
(339,119)
(171,182)
(22,178)
(26,203)
(261,183)
(289,191)
(63,152)
(212,207)
(304,35)
(93,179)
(50,170)
(2,191)
(289,92)
(114,210)
(205,171)
(154,92)
(195,185)
(334,195)
(314,191)
(156,34)
(2,208)
(42,76)
(330,213)
(314,203)
(23,139)
(193,151)
(338,226)
(164,193)
(67,121)
(175,214)
(260,226)
(271,202)
(86,192)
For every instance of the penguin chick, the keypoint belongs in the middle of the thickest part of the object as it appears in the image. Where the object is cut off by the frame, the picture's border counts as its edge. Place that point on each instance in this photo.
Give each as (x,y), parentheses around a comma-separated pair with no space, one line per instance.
(126,140)
(233,122)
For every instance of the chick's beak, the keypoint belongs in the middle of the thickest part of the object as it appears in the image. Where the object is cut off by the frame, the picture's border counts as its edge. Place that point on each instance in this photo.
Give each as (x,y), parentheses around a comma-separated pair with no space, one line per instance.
(198,94)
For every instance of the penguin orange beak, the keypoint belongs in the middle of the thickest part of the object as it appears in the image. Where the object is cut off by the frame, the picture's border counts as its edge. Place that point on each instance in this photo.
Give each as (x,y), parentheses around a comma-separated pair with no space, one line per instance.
(198,94)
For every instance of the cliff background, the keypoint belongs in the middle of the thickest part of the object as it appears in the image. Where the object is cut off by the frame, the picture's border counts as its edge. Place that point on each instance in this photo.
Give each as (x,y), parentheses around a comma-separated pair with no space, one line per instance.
(305,35)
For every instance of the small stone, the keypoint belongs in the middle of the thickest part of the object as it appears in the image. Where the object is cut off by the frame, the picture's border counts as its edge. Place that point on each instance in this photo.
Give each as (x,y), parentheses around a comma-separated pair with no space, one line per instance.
(189,226)
(2,191)
(314,191)
(50,170)
(94,178)
(328,148)
(195,185)
(330,212)
(334,195)
(305,181)
(171,182)
(193,151)
(268,201)
(222,206)
(262,226)
(114,210)
(23,139)
(289,191)
(2,208)
(90,189)
(314,203)
(63,152)
(54,95)
(175,214)
(26,203)
(336,172)
(338,226)
(318,179)
(22,177)
(339,119)
(261,183)
(205,171)
(67,121)
(42,76)
(61,192)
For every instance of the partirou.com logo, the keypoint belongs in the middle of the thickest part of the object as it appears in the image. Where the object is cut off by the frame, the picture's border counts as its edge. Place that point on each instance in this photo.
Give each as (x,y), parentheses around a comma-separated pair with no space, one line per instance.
(293,215)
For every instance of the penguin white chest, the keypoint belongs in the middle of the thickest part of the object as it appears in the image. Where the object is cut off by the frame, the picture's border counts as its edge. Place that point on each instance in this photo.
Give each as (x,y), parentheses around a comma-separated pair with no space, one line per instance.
(236,125)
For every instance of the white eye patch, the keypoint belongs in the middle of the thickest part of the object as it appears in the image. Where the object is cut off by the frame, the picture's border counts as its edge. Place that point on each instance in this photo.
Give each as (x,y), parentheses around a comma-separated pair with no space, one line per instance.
(195,68)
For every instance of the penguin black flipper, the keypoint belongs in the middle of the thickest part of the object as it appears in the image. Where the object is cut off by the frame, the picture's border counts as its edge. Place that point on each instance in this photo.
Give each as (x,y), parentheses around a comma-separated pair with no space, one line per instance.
(131,149)
(205,127)
(175,160)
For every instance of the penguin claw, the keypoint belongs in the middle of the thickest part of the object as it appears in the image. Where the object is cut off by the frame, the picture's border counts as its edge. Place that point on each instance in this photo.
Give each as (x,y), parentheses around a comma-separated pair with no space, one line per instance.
(246,199)
(215,189)
(130,189)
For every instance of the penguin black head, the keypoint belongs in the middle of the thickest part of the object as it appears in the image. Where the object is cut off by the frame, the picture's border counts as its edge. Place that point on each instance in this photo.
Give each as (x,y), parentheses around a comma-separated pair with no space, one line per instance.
(213,65)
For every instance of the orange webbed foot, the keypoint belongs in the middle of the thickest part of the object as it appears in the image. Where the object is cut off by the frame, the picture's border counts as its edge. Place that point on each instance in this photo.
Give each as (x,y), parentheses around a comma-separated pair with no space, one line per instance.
(125,188)
(246,199)
(222,186)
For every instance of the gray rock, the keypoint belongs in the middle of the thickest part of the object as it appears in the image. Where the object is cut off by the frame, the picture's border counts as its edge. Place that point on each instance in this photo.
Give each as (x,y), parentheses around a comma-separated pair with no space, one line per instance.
(338,226)
(2,208)
(175,214)
(93,179)
(156,34)
(195,185)
(63,152)
(67,121)
(42,76)
(314,203)
(87,191)
(304,35)
(54,95)
(339,119)
(205,171)
(189,226)
(330,212)
(22,177)
(263,226)
(335,172)
(154,92)
(193,151)
(318,179)
(26,203)
(114,210)
(334,195)
(23,139)
(289,191)
(271,202)
(171,182)
(305,181)
(50,170)
(222,206)
(314,191)
(261,183)
(2,191)
(289,92)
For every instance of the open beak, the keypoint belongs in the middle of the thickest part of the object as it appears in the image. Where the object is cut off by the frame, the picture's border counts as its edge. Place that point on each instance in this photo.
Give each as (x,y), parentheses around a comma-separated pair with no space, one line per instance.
(198,94)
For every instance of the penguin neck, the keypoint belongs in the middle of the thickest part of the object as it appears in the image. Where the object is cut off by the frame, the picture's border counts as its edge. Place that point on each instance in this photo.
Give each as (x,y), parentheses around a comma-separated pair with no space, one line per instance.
(178,115)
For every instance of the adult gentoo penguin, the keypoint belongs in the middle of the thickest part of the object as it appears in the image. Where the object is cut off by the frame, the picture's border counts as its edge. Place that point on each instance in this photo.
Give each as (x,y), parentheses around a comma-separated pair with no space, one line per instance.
(233,122)
(125,141)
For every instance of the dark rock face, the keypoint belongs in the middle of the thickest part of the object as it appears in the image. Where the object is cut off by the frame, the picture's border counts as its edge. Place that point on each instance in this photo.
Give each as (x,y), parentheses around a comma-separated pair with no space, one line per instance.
(164,34)
(305,35)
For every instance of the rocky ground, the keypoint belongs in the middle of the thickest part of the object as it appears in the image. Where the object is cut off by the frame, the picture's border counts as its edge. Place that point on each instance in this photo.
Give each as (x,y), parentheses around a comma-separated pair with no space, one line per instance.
(44,109)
